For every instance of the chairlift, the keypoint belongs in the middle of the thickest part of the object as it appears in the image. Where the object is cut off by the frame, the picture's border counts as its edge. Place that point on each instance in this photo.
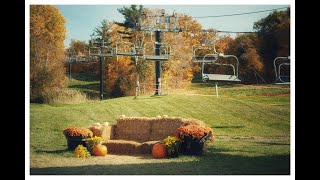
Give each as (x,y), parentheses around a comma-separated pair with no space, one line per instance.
(216,78)
(125,49)
(200,50)
(106,51)
(149,49)
(282,70)
(94,51)
(232,77)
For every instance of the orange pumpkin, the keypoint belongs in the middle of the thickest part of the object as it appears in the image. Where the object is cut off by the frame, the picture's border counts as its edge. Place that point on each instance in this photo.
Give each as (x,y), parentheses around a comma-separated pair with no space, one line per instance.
(159,151)
(100,150)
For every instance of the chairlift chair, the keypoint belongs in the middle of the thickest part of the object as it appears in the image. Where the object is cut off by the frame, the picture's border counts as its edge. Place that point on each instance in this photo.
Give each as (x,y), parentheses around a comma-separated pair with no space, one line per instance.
(149,51)
(125,49)
(200,50)
(106,51)
(216,78)
(94,51)
(282,78)
(220,77)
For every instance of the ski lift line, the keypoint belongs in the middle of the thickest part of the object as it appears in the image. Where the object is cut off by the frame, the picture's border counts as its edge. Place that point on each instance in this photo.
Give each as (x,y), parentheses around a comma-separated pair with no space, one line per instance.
(239,14)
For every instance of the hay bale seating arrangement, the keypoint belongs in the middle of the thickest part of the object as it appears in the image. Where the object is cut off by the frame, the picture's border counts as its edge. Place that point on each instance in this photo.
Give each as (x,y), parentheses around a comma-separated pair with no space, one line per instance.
(137,135)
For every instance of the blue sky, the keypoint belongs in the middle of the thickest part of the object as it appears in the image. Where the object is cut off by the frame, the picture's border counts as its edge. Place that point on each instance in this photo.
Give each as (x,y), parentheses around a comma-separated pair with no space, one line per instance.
(82,19)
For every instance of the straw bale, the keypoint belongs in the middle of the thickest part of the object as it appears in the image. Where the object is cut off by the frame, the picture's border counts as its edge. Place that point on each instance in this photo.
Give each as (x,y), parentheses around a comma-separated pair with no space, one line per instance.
(122,147)
(133,128)
(165,126)
(103,131)
(146,147)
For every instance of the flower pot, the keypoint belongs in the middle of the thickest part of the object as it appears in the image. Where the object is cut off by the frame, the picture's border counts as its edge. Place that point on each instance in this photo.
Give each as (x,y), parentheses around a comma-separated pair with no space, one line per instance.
(173,154)
(74,141)
(192,147)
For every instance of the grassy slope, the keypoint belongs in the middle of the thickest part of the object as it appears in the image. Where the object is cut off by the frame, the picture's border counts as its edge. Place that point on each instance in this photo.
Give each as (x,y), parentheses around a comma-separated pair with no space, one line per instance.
(251,123)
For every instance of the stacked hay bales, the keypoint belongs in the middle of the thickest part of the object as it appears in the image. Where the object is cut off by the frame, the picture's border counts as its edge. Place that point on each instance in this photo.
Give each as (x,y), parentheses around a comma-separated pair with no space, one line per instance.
(165,126)
(133,128)
(135,135)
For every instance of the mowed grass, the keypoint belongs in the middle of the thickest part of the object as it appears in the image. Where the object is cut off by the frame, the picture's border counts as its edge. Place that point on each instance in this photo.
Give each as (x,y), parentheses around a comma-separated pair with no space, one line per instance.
(251,125)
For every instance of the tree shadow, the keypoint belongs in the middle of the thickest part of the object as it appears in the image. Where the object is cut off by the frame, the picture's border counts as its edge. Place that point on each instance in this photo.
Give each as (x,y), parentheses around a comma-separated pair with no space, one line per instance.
(85,77)
(228,126)
(273,144)
(91,86)
(60,151)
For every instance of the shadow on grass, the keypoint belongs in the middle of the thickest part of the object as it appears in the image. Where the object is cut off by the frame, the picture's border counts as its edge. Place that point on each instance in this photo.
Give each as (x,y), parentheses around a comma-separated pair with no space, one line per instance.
(227,126)
(60,151)
(92,86)
(209,164)
(85,77)
(273,144)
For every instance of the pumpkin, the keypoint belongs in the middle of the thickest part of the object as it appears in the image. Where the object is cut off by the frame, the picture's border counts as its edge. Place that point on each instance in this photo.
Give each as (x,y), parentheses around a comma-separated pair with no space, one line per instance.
(159,151)
(100,150)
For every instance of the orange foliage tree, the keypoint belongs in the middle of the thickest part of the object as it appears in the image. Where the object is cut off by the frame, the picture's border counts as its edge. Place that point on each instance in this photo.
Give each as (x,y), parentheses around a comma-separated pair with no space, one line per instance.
(47,33)
(245,48)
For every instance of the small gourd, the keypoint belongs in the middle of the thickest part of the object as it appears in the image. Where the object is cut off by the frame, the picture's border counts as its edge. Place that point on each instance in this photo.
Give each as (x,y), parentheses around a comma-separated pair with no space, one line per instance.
(100,150)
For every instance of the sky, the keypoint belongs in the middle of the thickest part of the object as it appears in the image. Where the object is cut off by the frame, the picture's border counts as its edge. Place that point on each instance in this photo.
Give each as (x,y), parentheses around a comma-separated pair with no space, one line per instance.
(82,19)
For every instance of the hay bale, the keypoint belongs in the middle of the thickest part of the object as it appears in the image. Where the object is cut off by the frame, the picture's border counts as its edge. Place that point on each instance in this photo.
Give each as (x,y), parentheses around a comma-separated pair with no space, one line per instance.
(146,147)
(165,126)
(123,147)
(106,132)
(133,128)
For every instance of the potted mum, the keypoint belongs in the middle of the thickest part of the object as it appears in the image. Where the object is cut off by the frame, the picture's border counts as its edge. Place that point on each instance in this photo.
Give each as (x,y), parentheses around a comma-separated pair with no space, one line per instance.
(76,136)
(193,138)
(172,144)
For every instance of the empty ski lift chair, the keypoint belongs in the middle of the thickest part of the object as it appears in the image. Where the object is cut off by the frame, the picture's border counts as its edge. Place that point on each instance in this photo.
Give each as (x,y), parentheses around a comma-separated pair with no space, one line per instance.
(199,50)
(149,49)
(125,49)
(216,78)
(106,51)
(282,78)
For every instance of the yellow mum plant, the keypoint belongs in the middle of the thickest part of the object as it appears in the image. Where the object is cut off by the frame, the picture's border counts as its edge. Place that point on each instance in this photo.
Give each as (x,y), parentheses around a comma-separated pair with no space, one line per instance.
(81,152)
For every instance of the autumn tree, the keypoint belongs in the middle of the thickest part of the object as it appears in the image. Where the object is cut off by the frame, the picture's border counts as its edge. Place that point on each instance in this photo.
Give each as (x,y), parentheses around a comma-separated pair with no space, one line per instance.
(80,49)
(274,32)
(133,15)
(178,70)
(245,48)
(47,33)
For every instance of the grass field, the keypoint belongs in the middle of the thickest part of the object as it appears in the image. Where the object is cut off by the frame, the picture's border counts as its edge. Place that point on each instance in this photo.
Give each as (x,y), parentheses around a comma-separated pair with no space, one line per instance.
(251,124)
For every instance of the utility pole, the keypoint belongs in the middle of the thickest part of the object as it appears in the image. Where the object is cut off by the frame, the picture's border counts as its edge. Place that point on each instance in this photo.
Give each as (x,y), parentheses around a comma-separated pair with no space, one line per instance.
(158,64)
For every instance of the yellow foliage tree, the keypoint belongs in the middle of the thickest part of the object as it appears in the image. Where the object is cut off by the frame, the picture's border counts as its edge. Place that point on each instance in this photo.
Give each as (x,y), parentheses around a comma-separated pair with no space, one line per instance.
(47,33)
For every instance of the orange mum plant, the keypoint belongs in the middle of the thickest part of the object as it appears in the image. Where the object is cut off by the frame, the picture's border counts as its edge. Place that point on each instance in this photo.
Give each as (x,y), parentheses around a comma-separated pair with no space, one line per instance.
(195,132)
(75,131)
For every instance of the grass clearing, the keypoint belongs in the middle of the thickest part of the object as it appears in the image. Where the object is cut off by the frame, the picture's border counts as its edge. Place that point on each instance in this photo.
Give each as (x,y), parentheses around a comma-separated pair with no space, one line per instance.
(251,124)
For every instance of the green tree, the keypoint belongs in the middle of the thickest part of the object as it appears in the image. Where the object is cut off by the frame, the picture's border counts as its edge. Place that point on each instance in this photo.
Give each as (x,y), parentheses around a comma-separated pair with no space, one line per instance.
(131,16)
(103,30)
(47,33)
(274,31)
